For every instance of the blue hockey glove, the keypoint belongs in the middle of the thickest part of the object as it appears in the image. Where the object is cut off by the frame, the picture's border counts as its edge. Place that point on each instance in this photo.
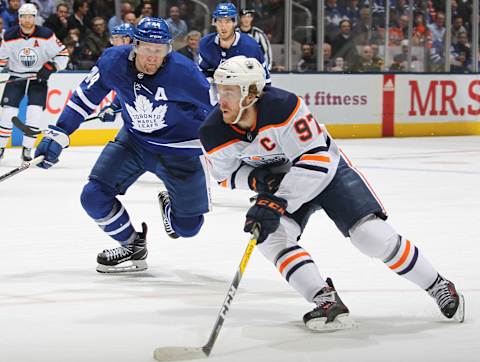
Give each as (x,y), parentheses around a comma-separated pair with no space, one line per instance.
(266,212)
(46,71)
(54,141)
(262,179)
(107,114)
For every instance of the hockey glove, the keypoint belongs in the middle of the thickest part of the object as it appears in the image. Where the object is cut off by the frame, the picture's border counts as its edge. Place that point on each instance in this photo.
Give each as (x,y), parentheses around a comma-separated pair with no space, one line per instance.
(266,212)
(54,141)
(107,114)
(262,179)
(46,71)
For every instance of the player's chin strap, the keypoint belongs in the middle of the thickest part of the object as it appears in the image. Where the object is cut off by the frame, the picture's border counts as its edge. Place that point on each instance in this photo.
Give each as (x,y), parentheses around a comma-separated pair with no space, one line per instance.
(242,108)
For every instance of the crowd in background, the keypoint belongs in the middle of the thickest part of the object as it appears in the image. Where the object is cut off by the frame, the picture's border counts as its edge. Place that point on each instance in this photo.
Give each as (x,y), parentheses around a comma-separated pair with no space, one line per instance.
(354,32)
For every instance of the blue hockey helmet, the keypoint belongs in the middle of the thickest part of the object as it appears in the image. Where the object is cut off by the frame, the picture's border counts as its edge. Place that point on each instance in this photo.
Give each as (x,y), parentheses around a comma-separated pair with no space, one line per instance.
(152,30)
(125,29)
(225,10)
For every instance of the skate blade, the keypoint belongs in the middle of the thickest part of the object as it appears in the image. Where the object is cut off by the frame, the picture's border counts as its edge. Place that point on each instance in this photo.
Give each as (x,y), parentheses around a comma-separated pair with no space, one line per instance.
(342,322)
(459,315)
(178,353)
(126,267)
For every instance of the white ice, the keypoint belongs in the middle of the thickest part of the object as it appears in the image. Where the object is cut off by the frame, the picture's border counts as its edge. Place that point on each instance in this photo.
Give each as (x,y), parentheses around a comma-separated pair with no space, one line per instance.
(54,306)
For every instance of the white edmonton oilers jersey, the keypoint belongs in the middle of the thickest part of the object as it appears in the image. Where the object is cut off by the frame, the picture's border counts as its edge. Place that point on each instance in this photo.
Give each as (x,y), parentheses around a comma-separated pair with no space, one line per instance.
(26,54)
(285,131)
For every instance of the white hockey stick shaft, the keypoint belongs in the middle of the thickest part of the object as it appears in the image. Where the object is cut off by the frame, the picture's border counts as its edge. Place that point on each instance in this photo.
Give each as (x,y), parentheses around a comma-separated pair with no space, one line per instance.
(24,166)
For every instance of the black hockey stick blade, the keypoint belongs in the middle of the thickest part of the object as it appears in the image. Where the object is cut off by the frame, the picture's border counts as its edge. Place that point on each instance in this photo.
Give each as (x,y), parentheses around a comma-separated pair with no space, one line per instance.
(178,353)
(7,81)
(24,166)
(26,130)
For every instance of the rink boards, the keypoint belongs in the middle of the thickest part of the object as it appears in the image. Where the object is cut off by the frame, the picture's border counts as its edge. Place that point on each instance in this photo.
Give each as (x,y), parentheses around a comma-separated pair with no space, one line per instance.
(351,105)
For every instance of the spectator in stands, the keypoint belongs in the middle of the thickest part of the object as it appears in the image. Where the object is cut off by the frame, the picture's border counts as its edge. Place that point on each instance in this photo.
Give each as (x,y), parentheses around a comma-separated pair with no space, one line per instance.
(421,33)
(398,64)
(362,31)
(402,58)
(343,45)
(246,27)
(436,57)
(340,65)
(45,8)
(145,10)
(58,21)
(457,28)
(334,14)
(352,11)
(327,57)
(366,62)
(438,27)
(10,15)
(103,8)
(308,62)
(114,21)
(191,49)
(79,17)
(140,8)
(97,40)
(461,54)
(73,55)
(178,27)
(2,30)
(131,18)
(274,28)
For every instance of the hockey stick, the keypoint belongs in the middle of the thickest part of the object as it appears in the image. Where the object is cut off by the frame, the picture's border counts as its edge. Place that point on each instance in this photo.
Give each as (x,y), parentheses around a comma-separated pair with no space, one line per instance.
(186,353)
(30,131)
(22,167)
(7,81)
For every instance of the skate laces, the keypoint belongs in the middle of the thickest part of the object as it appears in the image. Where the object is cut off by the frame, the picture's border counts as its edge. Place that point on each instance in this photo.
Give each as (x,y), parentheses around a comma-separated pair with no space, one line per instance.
(117,253)
(325,299)
(442,293)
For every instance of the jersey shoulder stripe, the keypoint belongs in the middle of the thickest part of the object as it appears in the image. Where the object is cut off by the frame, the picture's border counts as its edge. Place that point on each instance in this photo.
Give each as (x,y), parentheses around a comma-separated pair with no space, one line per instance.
(215,134)
(276,108)
(40,32)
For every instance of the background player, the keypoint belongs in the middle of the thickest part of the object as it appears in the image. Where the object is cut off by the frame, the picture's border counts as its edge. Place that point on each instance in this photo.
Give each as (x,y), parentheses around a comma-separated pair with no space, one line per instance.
(164,99)
(253,129)
(32,53)
(226,42)
(246,27)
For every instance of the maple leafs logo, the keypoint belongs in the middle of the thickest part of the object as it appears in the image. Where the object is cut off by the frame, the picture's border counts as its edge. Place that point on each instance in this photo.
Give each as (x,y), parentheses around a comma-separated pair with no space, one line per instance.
(145,117)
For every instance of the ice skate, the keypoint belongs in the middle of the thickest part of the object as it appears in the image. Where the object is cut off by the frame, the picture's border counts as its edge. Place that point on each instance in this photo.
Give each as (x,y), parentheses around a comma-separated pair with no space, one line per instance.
(450,302)
(26,154)
(123,259)
(165,208)
(330,314)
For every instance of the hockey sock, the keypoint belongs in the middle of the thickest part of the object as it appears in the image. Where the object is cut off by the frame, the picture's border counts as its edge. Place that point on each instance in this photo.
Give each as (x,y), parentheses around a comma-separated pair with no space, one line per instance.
(34,114)
(6,124)
(299,270)
(407,260)
(108,212)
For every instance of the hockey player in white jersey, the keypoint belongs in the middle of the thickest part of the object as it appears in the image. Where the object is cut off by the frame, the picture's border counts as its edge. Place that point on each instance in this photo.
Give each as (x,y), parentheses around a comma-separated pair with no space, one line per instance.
(31,53)
(247,138)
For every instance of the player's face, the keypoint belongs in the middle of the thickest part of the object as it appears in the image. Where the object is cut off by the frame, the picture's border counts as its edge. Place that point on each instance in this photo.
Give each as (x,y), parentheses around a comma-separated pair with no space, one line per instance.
(27,22)
(117,40)
(246,20)
(229,101)
(225,28)
(150,56)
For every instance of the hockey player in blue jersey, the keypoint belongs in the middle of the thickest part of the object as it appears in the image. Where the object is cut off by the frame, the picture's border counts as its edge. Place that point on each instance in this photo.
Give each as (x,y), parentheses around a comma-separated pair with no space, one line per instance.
(164,100)
(226,43)
(250,138)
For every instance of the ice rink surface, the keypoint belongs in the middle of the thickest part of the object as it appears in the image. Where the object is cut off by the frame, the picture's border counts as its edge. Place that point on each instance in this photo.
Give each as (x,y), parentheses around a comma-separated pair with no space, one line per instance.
(54,306)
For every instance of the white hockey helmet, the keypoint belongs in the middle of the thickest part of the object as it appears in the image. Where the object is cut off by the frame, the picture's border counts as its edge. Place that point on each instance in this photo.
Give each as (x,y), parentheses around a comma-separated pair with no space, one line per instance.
(27,9)
(241,71)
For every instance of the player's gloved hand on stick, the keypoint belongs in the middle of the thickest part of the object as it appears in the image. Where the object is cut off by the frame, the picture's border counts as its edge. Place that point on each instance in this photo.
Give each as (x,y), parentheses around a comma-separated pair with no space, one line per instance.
(54,141)
(262,179)
(266,212)
(107,114)
(46,71)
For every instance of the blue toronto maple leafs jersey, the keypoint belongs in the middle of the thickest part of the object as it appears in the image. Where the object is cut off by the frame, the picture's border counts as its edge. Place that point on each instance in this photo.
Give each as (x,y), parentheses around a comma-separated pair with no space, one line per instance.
(211,54)
(162,112)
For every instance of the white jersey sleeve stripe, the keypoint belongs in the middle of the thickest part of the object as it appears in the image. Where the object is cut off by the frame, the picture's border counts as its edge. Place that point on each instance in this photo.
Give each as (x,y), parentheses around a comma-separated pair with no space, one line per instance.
(77,108)
(84,99)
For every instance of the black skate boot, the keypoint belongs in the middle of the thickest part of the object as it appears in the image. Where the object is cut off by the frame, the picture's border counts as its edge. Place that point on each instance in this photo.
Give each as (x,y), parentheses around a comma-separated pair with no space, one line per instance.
(165,208)
(134,255)
(330,314)
(26,154)
(450,302)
